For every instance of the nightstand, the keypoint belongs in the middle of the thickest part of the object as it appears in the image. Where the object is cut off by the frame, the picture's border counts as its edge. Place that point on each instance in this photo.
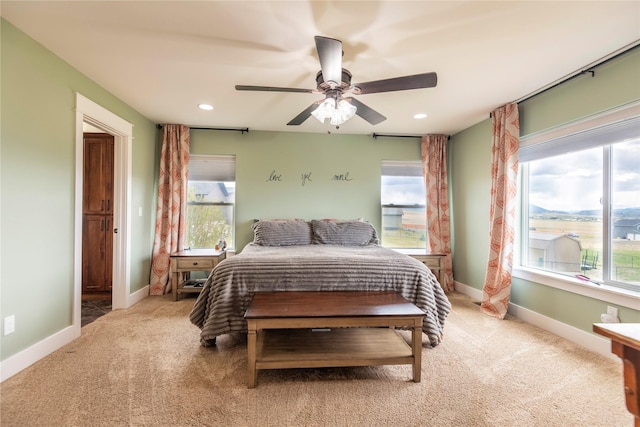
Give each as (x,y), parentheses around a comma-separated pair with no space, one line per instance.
(184,262)
(435,262)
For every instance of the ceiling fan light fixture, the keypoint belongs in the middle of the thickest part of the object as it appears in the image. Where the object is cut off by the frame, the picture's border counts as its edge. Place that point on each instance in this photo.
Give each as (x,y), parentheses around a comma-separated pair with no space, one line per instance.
(337,114)
(343,112)
(324,110)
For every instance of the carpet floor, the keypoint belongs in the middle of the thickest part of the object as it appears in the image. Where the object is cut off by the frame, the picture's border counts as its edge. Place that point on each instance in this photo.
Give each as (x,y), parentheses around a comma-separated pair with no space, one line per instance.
(144,366)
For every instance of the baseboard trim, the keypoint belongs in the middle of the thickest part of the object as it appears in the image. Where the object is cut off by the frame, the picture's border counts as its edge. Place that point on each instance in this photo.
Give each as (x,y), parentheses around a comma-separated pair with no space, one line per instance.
(137,296)
(577,336)
(27,357)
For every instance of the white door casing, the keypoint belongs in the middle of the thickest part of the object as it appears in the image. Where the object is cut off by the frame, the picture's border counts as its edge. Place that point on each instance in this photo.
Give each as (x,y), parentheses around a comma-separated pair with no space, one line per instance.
(94,114)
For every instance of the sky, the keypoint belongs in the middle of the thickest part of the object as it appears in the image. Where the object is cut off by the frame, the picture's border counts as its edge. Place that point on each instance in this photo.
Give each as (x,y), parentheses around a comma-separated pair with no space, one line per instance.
(570,182)
(403,190)
(573,181)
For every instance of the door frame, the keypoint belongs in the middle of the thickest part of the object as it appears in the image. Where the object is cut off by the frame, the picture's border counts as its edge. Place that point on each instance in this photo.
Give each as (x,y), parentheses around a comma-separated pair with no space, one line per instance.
(122,131)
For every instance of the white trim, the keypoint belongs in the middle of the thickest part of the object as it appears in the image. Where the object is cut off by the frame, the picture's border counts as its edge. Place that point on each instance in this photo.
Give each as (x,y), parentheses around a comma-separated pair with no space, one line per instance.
(610,294)
(467,290)
(607,117)
(138,296)
(22,360)
(591,342)
(584,339)
(27,357)
(90,112)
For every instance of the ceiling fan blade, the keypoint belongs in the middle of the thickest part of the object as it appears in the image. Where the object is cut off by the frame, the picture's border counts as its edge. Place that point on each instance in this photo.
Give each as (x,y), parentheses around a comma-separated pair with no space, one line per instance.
(367,113)
(330,55)
(300,118)
(417,81)
(274,89)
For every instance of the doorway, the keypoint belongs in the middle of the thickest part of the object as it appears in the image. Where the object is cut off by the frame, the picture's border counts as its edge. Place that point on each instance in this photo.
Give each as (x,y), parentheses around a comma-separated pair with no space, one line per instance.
(101,120)
(97,224)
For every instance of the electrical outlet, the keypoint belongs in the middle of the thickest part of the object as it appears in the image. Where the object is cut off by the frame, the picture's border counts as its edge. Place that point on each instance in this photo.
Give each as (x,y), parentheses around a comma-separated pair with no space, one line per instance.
(612,311)
(9,324)
(605,318)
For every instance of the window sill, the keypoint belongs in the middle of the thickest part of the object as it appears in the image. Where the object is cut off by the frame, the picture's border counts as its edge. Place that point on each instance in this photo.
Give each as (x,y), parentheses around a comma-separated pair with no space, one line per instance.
(622,297)
(411,251)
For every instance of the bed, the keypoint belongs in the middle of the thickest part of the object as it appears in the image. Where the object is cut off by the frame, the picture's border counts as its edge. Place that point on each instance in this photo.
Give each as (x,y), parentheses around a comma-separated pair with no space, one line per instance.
(317,255)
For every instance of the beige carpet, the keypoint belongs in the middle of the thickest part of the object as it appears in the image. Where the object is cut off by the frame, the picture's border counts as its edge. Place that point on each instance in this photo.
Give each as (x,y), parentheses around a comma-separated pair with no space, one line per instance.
(145,367)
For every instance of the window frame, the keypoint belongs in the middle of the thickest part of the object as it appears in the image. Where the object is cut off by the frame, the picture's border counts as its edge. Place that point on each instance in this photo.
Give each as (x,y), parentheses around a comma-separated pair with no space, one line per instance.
(608,291)
(411,168)
(225,173)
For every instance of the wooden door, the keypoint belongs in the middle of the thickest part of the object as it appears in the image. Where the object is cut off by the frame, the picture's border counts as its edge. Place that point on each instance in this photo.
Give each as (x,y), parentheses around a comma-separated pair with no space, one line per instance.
(97,213)
(94,253)
(97,197)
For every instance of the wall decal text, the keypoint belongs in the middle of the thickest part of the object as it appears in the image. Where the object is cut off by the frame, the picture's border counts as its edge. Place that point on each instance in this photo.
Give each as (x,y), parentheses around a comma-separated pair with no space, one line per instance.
(305,177)
(342,177)
(274,177)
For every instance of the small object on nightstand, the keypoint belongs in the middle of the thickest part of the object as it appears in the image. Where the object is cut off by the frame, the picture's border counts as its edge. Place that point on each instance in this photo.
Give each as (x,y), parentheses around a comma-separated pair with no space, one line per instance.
(222,244)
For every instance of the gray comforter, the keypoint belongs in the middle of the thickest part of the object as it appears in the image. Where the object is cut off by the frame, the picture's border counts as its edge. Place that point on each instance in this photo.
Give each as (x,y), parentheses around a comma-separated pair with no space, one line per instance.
(221,305)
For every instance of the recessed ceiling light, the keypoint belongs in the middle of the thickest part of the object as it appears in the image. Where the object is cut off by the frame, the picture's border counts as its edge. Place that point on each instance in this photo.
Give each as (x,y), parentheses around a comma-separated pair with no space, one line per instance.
(205,107)
(420,116)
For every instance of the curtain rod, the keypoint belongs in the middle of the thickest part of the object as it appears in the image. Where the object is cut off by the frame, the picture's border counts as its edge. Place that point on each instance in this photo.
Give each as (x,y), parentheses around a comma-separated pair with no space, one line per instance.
(589,69)
(243,130)
(380,135)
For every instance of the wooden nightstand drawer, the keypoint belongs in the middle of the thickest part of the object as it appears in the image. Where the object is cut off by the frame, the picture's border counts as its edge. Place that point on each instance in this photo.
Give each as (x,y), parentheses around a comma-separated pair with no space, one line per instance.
(435,262)
(429,260)
(187,264)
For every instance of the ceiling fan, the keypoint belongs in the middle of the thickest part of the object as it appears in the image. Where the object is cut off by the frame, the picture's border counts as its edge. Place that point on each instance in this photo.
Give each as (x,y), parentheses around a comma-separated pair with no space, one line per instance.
(334,82)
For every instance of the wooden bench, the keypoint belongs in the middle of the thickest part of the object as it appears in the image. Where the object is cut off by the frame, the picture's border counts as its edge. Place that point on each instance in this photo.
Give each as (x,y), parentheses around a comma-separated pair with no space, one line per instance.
(329,329)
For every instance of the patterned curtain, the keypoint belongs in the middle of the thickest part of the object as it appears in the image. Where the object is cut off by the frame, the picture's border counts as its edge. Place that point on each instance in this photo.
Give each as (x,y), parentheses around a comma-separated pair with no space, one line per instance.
(434,166)
(171,212)
(504,176)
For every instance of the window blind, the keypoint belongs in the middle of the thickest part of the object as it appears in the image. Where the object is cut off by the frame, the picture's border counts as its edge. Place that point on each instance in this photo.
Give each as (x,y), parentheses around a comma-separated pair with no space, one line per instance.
(401,168)
(212,168)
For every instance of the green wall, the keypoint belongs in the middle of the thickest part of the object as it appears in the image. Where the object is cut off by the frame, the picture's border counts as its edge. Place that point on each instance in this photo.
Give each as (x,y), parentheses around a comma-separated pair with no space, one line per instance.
(470,181)
(357,158)
(615,83)
(37,182)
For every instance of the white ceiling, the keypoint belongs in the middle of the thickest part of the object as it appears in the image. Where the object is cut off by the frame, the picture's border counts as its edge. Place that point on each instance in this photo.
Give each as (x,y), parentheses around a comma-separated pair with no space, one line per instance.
(164,58)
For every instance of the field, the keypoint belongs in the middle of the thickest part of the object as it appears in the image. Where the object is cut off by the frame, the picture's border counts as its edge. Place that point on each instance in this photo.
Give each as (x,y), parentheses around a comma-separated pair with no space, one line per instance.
(626,253)
(413,233)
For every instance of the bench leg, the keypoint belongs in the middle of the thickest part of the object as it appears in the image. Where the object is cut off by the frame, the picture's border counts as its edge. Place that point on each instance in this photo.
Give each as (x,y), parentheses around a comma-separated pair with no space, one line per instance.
(251,355)
(417,351)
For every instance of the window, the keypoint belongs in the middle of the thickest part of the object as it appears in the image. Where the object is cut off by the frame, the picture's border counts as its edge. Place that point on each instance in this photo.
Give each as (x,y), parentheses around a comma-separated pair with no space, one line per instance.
(581,203)
(404,220)
(211,201)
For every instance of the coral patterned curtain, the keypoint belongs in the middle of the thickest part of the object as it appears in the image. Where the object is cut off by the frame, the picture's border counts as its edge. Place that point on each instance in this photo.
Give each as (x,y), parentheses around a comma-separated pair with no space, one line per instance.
(504,176)
(434,166)
(171,212)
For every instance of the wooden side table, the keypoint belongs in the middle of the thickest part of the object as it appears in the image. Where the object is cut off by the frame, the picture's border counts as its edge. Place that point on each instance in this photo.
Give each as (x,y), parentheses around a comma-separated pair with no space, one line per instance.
(625,343)
(184,262)
(435,262)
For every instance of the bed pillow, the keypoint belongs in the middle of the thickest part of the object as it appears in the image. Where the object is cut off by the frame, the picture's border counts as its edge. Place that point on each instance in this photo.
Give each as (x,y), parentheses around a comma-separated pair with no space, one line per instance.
(287,232)
(344,233)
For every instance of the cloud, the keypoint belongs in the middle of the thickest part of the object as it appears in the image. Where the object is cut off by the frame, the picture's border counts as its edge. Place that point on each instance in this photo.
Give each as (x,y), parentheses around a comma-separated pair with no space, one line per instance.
(399,190)
(573,181)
